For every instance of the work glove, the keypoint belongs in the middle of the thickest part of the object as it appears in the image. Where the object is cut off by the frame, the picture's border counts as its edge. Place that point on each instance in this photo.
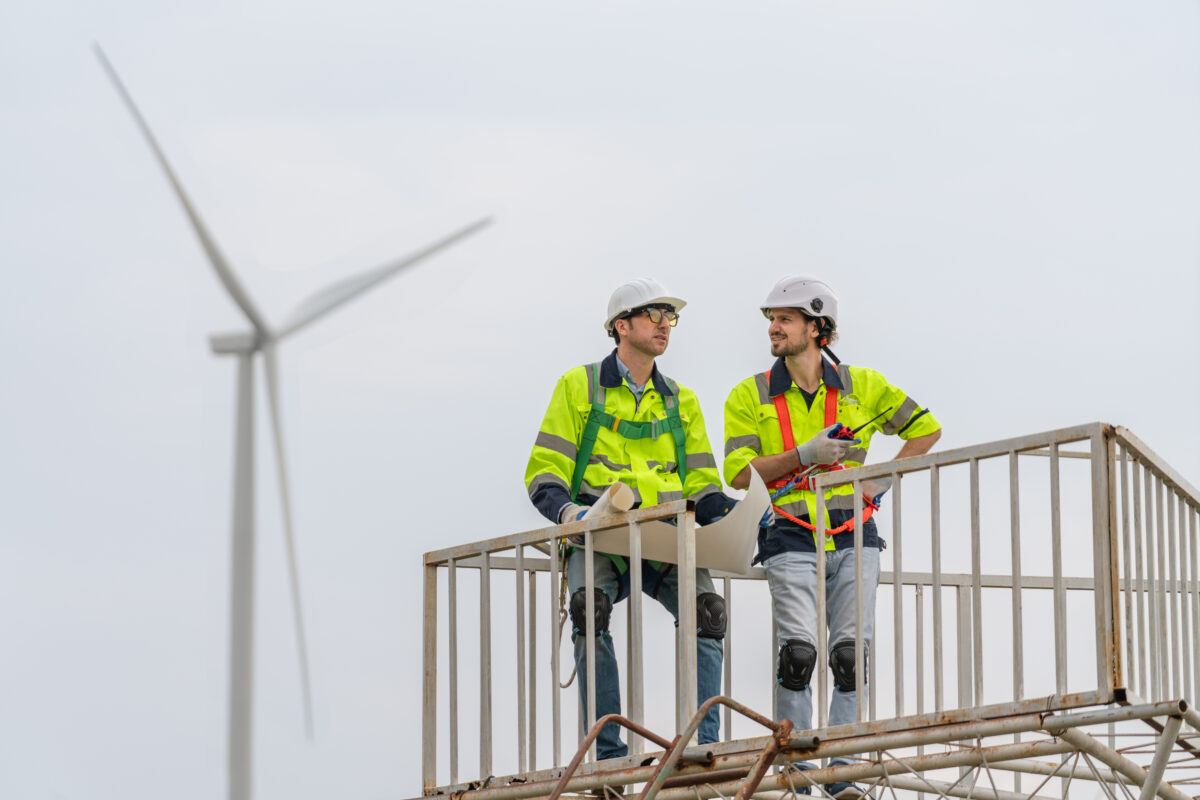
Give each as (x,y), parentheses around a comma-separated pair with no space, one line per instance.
(824,448)
(768,518)
(570,513)
(875,488)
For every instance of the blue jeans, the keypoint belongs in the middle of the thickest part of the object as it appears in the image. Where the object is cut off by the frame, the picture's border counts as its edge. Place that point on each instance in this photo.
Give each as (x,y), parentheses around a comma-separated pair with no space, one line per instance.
(608,690)
(792,577)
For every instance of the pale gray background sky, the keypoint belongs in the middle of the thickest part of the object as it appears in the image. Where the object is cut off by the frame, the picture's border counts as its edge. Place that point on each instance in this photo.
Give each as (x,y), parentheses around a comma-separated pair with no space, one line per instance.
(1005,196)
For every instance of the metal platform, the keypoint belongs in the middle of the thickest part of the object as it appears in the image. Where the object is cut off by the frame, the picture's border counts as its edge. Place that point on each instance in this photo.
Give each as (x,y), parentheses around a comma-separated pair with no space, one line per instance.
(1029,679)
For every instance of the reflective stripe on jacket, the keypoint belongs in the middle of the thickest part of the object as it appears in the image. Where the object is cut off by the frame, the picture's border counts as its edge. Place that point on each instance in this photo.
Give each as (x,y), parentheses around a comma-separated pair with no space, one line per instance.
(646,465)
(752,430)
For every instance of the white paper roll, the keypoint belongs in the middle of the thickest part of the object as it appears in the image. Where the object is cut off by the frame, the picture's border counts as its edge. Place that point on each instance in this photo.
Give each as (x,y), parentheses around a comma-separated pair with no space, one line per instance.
(618,499)
(726,545)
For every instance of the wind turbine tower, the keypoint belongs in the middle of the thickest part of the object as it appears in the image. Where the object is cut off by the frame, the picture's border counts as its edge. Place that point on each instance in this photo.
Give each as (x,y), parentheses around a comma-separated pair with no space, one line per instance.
(261,338)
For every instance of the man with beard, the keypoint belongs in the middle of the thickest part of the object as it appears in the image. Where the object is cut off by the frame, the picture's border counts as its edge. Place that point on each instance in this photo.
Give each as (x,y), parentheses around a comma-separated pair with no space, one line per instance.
(622,420)
(786,421)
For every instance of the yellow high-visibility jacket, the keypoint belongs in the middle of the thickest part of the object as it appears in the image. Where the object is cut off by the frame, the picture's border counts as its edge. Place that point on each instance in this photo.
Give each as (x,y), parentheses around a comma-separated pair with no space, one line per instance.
(647,465)
(752,430)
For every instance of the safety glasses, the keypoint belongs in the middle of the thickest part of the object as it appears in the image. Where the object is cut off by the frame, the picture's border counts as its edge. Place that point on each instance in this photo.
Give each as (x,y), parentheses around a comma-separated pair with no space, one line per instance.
(656,315)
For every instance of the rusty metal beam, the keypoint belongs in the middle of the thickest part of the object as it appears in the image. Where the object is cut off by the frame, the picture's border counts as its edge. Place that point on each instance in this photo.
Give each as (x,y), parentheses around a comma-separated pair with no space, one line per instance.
(885,770)
(1119,763)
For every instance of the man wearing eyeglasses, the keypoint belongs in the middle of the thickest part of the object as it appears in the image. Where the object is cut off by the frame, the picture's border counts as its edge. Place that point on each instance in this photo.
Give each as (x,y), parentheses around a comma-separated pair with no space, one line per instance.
(621,419)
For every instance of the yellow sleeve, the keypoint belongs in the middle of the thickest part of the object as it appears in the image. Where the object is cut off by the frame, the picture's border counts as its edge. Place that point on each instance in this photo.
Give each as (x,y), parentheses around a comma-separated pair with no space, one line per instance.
(552,461)
(742,441)
(702,477)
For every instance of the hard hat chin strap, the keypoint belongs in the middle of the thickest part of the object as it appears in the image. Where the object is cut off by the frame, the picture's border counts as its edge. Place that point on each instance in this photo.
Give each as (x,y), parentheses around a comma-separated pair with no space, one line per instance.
(824,341)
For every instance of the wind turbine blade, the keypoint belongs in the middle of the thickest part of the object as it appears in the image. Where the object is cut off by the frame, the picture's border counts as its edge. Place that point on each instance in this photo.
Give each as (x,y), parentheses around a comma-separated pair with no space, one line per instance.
(346,289)
(215,256)
(271,368)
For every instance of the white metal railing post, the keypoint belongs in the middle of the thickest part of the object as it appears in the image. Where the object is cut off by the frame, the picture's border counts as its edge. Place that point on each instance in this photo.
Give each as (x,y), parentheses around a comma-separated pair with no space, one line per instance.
(485,663)
(685,681)
(919,666)
(935,542)
(962,609)
(773,664)
(519,578)
(821,700)
(1060,592)
(1194,538)
(556,625)
(429,681)
(1173,582)
(1152,688)
(1128,675)
(1160,588)
(1187,647)
(636,663)
(727,660)
(1139,519)
(1104,562)
(860,629)
(1018,615)
(976,587)
(1112,566)
(589,633)
(452,660)
(532,611)
(897,597)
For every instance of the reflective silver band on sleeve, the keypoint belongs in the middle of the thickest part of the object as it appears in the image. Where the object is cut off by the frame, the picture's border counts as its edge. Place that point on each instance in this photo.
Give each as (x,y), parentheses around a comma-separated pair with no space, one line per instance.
(750,440)
(900,418)
(546,478)
(556,443)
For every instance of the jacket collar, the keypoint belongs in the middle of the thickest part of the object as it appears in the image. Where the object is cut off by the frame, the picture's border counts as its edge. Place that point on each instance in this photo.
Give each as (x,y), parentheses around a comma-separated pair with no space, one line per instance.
(610,375)
(781,381)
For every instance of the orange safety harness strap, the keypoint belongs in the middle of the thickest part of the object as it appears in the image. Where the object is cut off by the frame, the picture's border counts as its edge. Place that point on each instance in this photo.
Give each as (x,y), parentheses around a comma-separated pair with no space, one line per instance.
(789,442)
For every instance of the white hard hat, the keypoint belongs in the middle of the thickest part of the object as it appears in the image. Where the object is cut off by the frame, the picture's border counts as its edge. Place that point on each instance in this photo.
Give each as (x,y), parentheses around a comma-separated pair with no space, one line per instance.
(811,295)
(635,294)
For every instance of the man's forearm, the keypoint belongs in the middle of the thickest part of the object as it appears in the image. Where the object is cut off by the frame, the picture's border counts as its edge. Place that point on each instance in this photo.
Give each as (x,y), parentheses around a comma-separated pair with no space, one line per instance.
(776,466)
(768,468)
(919,446)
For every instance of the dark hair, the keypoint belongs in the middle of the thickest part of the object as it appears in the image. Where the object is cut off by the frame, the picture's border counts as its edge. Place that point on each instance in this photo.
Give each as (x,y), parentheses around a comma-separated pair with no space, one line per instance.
(828,332)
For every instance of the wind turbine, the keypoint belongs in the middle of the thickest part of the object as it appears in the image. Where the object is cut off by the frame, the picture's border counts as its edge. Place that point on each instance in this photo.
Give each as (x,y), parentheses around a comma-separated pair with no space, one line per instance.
(245,345)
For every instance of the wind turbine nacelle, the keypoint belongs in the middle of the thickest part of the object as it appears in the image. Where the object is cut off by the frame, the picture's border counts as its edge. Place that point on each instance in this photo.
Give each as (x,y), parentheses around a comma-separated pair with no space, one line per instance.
(236,343)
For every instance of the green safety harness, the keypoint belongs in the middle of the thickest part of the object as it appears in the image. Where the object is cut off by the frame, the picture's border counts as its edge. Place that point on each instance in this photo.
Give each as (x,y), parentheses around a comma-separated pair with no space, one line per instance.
(628,429)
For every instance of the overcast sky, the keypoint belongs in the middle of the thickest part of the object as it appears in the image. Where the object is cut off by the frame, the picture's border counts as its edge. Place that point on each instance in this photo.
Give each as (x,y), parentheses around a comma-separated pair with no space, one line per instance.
(1005,196)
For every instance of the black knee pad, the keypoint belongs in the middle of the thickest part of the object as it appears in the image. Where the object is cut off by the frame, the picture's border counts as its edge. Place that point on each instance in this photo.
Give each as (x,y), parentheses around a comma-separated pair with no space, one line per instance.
(796,661)
(579,611)
(841,661)
(710,616)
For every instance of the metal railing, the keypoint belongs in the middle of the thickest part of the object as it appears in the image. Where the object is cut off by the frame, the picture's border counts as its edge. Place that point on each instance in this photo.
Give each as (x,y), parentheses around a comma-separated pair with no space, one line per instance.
(1112,531)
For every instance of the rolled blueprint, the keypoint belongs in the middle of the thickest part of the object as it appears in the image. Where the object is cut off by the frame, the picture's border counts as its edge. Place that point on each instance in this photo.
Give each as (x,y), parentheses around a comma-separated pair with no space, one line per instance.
(617,499)
(726,545)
